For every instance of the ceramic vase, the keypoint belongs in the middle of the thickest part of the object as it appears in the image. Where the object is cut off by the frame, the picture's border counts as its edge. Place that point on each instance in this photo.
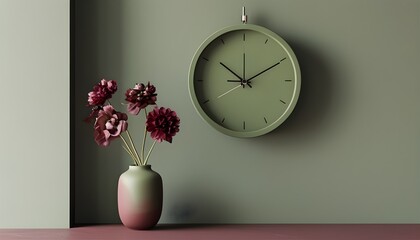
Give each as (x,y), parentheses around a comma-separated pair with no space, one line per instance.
(140,197)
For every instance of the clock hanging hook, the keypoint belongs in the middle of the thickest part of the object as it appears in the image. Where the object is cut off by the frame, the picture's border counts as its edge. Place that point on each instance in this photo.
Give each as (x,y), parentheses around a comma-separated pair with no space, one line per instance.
(244,16)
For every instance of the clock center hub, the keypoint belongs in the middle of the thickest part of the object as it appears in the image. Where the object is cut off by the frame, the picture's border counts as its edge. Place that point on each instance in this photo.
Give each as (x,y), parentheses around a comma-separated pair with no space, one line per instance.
(245,82)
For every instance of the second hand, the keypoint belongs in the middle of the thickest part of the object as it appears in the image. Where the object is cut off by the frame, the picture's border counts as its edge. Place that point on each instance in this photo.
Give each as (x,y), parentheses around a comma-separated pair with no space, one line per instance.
(229,91)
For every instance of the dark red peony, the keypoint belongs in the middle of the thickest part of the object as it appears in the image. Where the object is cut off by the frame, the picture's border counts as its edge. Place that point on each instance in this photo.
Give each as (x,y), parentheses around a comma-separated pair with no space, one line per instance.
(163,124)
(102,92)
(140,97)
(109,125)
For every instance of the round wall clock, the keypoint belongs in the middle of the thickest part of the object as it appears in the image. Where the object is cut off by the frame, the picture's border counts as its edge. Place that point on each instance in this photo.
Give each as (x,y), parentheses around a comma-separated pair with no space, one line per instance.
(244,80)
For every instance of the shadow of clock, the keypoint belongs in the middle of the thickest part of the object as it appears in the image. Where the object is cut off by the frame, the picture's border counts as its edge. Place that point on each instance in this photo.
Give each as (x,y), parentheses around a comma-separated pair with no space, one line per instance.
(314,103)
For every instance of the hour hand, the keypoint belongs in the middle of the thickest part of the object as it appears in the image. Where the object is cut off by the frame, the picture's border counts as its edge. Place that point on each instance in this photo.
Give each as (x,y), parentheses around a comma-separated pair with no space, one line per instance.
(230,70)
(243,82)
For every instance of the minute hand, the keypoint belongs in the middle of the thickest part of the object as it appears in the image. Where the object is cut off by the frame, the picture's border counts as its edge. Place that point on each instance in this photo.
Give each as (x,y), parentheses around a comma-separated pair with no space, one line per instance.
(263,71)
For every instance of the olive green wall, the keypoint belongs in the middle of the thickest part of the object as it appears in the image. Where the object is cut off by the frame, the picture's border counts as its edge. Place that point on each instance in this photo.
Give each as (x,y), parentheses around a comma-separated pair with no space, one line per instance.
(35,113)
(348,154)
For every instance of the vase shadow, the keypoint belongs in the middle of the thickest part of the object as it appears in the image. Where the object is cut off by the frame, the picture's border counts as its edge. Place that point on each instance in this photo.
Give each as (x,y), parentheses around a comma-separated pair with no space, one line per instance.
(207,208)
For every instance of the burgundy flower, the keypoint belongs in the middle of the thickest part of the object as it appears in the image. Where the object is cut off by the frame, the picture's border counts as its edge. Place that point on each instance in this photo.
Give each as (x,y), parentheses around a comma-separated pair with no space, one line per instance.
(163,124)
(102,92)
(109,125)
(140,97)
(93,114)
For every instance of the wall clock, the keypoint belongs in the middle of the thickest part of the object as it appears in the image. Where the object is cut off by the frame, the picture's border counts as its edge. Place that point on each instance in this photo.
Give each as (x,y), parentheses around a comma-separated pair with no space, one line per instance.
(244,80)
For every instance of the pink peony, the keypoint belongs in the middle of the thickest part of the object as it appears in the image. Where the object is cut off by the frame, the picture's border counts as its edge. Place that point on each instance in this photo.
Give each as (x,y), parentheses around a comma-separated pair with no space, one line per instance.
(140,97)
(163,124)
(102,92)
(109,125)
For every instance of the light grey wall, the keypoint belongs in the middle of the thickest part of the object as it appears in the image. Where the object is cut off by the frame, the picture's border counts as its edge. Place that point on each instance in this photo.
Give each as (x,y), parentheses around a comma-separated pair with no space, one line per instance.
(348,154)
(34,101)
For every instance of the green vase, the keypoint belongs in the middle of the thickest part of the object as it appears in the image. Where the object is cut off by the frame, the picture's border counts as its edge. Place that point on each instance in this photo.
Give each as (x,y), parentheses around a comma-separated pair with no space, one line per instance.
(140,195)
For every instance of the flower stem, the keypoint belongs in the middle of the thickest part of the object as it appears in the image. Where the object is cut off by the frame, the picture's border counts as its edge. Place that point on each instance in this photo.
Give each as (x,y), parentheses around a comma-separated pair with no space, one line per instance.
(130,153)
(144,138)
(129,150)
(150,151)
(134,147)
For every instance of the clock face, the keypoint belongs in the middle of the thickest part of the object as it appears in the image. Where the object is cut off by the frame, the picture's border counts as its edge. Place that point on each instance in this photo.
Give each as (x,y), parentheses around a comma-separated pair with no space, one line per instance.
(244,80)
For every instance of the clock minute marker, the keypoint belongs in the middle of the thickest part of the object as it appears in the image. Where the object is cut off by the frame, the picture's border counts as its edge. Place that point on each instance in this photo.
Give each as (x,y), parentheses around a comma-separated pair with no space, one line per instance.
(206,59)
(206,101)
(223,42)
(265,120)
(223,120)
(288,80)
(266,41)
(244,125)
(282,101)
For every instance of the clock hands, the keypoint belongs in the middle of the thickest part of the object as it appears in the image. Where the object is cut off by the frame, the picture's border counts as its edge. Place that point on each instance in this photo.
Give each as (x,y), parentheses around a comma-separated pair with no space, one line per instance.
(231,71)
(242,79)
(263,71)
(243,72)
(221,95)
(242,82)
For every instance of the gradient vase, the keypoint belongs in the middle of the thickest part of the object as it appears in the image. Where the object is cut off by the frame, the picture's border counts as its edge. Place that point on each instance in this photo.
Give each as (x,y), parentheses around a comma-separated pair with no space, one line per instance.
(140,195)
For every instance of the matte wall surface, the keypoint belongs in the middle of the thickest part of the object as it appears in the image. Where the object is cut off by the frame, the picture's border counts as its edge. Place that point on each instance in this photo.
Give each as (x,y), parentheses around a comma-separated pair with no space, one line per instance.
(34,100)
(349,153)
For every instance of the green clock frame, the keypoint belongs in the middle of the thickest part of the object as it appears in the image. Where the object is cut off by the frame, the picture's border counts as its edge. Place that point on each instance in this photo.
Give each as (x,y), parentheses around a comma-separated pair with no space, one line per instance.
(244,80)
